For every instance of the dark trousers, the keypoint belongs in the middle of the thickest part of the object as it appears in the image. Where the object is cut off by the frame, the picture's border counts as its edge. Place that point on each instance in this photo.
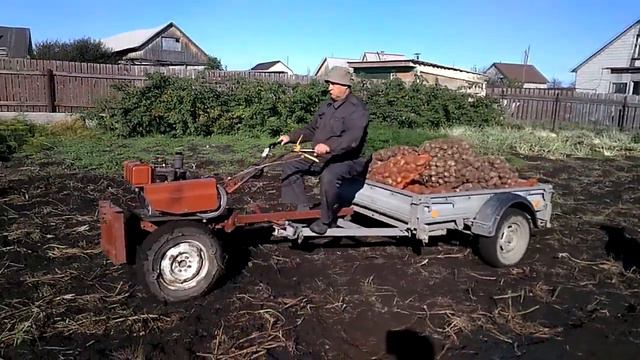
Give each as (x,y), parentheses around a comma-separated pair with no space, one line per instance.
(332,174)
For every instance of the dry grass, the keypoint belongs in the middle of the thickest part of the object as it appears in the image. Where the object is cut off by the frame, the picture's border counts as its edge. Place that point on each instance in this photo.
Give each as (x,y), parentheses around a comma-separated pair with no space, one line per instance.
(58,251)
(100,313)
(130,353)
(503,323)
(272,326)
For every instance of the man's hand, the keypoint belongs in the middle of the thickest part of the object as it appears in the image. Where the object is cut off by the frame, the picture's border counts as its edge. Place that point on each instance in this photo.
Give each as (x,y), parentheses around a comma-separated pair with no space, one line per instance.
(284,139)
(321,149)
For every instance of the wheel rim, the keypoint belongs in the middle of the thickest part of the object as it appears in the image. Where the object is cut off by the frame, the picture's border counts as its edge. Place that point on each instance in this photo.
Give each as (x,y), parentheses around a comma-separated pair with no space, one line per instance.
(183,265)
(513,242)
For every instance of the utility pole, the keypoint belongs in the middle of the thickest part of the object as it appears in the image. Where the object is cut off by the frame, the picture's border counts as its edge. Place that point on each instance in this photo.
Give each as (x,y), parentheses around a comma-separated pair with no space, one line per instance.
(526,61)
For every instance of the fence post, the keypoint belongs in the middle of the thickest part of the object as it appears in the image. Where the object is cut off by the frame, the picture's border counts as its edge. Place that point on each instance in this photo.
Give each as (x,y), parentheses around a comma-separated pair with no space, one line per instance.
(50,89)
(556,110)
(622,113)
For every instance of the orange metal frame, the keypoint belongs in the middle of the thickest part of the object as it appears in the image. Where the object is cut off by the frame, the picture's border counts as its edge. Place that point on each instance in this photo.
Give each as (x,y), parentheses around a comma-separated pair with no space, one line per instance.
(114,240)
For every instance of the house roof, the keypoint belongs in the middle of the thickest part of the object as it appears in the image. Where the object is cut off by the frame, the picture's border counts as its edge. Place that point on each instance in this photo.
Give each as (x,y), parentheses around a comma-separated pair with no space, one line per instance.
(16,40)
(405,63)
(332,62)
(606,45)
(381,56)
(516,71)
(266,66)
(132,39)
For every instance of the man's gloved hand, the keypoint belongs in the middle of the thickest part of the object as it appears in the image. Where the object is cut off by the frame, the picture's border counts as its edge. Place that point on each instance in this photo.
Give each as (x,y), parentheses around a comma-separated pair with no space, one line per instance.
(321,149)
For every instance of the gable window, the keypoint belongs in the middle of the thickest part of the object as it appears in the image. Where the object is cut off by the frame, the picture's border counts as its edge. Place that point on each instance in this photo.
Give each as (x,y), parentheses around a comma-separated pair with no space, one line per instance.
(619,88)
(636,53)
(636,88)
(171,44)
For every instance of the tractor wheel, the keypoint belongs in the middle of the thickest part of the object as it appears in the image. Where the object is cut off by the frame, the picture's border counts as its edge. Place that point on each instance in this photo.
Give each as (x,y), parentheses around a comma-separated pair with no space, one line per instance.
(510,242)
(180,261)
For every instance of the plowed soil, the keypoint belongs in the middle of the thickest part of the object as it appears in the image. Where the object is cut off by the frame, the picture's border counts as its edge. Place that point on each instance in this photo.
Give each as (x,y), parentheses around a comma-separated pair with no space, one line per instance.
(575,295)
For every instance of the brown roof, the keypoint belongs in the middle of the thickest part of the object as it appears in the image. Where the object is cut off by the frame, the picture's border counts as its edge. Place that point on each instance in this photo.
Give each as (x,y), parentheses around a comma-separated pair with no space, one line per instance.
(515,72)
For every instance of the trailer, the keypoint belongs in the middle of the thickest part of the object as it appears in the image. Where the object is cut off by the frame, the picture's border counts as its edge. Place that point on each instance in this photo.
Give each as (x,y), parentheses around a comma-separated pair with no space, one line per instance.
(502,219)
(172,238)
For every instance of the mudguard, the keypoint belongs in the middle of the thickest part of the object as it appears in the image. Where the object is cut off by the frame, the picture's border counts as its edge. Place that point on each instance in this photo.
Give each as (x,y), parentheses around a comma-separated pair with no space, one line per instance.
(487,219)
(112,232)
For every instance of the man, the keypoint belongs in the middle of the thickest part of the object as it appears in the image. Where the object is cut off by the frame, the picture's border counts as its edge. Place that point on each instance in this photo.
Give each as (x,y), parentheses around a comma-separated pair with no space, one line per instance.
(338,134)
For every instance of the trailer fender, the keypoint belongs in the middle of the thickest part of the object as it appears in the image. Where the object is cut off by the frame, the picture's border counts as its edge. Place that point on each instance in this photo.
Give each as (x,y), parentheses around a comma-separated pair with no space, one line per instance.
(487,218)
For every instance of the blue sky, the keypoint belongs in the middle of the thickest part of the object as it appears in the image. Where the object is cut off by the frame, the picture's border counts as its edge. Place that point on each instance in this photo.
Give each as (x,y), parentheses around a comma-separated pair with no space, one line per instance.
(456,33)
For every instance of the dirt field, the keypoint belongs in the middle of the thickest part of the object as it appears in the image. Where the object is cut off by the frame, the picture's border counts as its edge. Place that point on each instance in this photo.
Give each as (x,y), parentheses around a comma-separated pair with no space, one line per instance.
(574,296)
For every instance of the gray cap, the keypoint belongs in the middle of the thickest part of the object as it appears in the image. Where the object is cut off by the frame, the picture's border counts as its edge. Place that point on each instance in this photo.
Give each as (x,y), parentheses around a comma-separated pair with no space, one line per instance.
(339,75)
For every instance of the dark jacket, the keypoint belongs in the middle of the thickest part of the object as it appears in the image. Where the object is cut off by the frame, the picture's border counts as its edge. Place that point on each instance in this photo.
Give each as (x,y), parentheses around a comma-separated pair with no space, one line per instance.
(341,125)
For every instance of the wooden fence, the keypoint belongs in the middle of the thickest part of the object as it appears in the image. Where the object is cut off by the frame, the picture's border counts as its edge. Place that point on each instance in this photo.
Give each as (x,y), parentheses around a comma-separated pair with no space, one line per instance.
(59,86)
(553,108)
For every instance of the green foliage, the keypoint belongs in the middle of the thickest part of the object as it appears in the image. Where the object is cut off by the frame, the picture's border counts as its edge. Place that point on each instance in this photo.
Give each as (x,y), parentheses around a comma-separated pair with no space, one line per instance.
(382,137)
(213,63)
(80,50)
(188,107)
(104,153)
(14,134)
(421,105)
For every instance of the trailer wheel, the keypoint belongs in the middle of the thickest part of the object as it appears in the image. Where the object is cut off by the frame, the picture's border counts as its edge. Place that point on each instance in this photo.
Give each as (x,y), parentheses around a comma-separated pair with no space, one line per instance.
(179,261)
(509,244)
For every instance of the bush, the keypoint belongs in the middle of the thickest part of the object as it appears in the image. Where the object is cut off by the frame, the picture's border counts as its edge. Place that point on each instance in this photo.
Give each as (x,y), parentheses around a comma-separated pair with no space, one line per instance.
(183,106)
(83,49)
(14,134)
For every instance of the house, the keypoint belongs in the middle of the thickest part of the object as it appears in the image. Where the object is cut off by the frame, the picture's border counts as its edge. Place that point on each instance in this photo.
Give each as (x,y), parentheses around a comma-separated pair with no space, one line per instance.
(381,56)
(15,42)
(409,70)
(329,62)
(379,65)
(163,45)
(615,67)
(522,74)
(276,67)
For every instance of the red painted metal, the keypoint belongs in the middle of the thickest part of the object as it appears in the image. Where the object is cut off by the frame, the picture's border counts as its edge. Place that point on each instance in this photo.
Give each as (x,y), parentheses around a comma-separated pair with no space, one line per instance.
(275,217)
(112,232)
(181,197)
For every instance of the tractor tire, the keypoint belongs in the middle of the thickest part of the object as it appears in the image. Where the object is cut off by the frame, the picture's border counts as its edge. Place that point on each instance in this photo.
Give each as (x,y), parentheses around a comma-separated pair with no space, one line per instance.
(510,242)
(180,261)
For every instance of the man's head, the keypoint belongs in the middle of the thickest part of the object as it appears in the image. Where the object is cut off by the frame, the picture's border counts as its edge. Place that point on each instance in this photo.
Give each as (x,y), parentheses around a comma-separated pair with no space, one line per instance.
(339,81)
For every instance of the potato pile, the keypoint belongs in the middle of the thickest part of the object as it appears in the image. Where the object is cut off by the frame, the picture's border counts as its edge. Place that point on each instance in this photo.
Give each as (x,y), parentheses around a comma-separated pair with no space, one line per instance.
(442,165)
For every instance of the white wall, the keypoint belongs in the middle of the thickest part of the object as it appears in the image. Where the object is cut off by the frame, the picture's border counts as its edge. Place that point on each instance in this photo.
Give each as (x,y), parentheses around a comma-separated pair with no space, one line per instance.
(534,86)
(280,67)
(592,77)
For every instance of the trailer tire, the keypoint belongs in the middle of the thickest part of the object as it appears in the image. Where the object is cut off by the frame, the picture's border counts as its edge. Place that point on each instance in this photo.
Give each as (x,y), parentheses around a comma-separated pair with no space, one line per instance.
(510,242)
(179,261)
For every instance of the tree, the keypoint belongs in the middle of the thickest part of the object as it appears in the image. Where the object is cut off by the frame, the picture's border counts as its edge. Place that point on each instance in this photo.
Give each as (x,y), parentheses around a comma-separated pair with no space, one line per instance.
(80,50)
(214,63)
(555,83)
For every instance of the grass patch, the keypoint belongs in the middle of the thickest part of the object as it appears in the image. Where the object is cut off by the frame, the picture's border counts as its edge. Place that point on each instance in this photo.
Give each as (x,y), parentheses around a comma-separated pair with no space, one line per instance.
(73,146)
(561,144)
(381,136)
